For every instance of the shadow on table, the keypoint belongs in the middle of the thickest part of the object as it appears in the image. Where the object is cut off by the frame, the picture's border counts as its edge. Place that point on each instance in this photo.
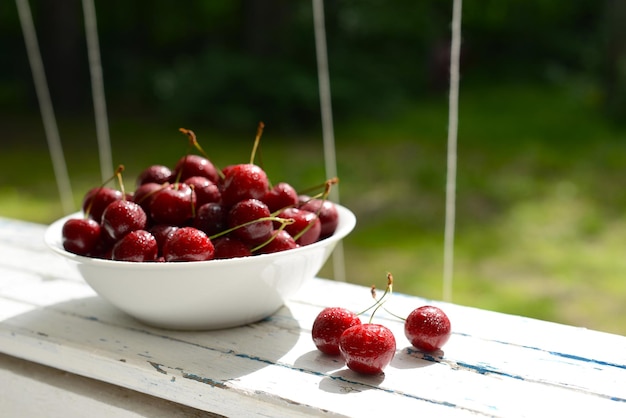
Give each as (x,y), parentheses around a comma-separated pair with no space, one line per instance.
(411,358)
(318,361)
(346,381)
(337,378)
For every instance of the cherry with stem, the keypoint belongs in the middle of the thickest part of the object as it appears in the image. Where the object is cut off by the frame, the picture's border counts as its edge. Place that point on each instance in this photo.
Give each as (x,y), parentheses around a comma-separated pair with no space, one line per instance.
(193,143)
(369,348)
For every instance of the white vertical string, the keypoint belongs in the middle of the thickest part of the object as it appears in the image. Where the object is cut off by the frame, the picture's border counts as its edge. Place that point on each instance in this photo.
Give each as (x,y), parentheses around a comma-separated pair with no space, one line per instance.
(45,104)
(328,136)
(97,89)
(453,119)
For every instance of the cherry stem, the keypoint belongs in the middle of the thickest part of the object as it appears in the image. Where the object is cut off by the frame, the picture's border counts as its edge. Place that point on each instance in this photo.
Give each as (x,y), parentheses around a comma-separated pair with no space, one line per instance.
(283,224)
(193,201)
(118,174)
(304,230)
(326,186)
(265,218)
(309,225)
(152,193)
(257,141)
(373,291)
(384,297)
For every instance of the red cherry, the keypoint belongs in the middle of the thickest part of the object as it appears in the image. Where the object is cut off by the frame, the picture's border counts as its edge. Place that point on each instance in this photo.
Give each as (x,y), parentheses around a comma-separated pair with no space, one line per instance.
(326,211)
(303,219)
(81,236)
(229,247)
(245,215)
(136,246)
(173,205)
(195,165)
(367,348)
(328,326)
(243,181)
(427,328)
(145,193)
(154,174)
(122,217)
(211,218)
(97,199)
(161,233)
(188,244)
(206,191)
(281,196)
(103,248)
(281,241)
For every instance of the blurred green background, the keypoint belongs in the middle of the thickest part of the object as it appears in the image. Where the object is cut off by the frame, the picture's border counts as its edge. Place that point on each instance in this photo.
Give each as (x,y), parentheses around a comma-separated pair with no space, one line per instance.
(541,222)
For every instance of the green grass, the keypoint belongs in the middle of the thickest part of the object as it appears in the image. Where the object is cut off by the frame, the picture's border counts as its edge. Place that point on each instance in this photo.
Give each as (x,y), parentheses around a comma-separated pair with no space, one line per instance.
(541,226)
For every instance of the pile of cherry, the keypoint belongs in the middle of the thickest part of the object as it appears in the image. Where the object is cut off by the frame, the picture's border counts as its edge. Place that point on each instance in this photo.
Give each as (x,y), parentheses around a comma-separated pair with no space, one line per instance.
(368,348)
(195,212)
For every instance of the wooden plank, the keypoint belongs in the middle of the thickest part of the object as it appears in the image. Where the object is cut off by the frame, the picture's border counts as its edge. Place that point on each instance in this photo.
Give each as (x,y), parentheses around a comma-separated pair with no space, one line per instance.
(494,364)
(210,371)
(32,390)
(86,336)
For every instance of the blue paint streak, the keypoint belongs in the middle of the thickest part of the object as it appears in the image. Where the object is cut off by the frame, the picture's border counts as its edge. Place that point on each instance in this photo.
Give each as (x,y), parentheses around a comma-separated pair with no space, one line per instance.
(487,370)
(587,360)
(558,354)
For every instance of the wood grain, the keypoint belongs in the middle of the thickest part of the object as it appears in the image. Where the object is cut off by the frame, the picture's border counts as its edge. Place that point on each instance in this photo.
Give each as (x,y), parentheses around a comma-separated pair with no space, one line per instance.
(494,364)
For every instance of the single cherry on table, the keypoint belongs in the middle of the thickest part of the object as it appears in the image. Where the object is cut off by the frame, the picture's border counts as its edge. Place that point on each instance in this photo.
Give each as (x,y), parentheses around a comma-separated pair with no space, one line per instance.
(328,326)
(427,328)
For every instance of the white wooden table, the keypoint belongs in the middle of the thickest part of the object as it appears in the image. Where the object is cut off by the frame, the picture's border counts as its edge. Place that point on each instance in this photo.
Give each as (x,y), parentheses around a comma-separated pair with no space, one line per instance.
(65,352)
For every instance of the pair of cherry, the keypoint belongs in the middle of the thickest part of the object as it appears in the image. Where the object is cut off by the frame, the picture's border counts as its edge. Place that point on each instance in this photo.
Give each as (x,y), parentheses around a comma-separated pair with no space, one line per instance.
(368,348)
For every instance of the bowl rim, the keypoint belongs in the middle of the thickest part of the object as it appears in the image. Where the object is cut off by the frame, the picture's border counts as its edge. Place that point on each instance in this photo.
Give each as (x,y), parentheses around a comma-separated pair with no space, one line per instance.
(52,238)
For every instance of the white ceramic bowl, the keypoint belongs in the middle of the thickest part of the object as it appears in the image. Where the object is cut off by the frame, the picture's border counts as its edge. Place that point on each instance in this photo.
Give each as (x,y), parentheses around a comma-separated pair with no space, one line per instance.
(203,295)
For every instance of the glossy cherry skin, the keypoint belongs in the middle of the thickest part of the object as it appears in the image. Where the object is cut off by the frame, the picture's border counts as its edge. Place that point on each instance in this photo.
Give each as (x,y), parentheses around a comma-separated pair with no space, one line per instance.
(206,191)
(327,212)
(81,236)
(281,241)
(173,205)
(230,247)
(161,233)
(245,216)
(154,174)
(211,218)
(97,199)
(280,196)
(122,217)
(188,244)
(306,227)
(427,328)
(194,165)
(243,181)
(136,246)
(367,348)
(144,194)
(328,326)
